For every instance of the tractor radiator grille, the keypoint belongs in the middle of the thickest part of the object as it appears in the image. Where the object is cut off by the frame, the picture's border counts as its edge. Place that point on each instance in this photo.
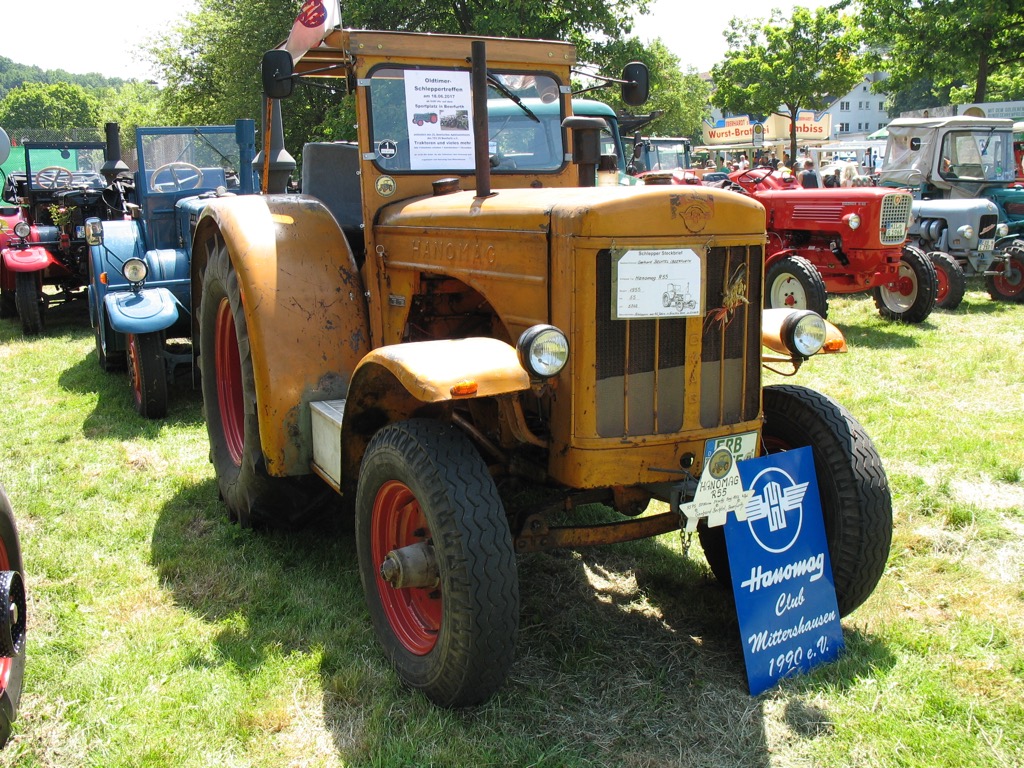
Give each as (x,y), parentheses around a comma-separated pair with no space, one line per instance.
(987,226)
(645,371)
(895,210)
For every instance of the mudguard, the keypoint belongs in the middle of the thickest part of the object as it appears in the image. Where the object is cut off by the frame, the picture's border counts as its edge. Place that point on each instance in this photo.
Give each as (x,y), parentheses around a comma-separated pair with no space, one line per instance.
(304,307)
(148,311)
(34,258)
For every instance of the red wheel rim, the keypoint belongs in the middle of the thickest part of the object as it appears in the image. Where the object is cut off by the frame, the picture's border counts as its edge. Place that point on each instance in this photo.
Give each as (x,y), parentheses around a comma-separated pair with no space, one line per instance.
(413,613)
(905,286)
(229,382)
(135,368)
(5,663)
(1013,286)
(943,285)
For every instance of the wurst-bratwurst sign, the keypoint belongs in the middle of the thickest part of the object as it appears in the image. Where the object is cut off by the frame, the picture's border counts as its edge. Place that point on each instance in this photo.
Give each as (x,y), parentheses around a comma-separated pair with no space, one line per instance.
(740,130)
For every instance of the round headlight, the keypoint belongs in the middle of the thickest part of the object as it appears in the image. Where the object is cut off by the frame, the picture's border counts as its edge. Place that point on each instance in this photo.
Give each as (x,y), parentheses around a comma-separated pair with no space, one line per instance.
(1002,229)
(966,232)
(134,270)
(852,220)
(22,229)
(803,333)
(543,351)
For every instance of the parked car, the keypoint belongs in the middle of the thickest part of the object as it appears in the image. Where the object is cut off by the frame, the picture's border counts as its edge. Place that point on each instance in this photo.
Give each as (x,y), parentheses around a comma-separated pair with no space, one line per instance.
(848,240)
(63,184)
(139,295)
(961,171)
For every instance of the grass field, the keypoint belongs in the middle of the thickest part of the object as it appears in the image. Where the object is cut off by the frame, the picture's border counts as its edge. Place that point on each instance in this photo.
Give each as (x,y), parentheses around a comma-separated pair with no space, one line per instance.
(162,635)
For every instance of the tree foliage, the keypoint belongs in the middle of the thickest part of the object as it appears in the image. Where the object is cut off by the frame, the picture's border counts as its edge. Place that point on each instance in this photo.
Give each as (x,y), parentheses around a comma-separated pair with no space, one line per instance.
(784,66)
(976,46)
(56,106)
(13,75)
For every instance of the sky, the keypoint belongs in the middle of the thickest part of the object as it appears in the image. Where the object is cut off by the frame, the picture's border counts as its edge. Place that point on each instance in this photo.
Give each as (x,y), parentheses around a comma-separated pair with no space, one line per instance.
(105,35)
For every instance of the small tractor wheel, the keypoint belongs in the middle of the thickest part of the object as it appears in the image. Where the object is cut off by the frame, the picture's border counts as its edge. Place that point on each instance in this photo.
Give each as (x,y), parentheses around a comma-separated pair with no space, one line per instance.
(855,498)
(29,301)
(952,283)
(1010,287)
(912,297)
(147,374)
(253,497)
(8,304)
(13,621)
(436,562)
(792,282)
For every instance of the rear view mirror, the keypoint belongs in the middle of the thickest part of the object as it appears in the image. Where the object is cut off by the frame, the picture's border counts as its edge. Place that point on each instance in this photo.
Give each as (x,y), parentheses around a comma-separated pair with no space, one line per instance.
(277,70)
(636,87)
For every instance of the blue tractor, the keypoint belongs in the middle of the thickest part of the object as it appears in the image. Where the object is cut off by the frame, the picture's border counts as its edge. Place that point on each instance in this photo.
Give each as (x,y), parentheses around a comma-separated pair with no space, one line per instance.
(139,277)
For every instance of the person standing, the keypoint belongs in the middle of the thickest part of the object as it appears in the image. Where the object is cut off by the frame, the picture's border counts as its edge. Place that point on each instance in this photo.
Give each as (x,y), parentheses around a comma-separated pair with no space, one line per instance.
(809,176)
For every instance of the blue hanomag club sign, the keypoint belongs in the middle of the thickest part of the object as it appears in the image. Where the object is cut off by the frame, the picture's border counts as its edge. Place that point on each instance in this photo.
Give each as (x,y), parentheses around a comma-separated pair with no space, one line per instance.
(781,574)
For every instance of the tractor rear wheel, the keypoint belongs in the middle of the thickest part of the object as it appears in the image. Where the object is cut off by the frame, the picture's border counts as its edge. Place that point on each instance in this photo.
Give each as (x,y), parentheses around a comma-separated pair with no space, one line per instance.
(12,628)
(29,301)
(1009,287)
(855,498)
(792,282)
(436,562)
(911,297)
(253,497)
(952,283)
(147,374)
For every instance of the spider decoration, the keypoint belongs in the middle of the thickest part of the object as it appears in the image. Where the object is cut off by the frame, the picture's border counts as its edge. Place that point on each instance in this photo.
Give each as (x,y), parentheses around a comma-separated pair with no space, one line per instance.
(733,296)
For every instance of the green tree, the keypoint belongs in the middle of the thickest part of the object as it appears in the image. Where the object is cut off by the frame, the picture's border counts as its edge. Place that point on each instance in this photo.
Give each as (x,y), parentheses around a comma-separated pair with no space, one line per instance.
(56,106)
(951,42)
(131,105)
(784,66)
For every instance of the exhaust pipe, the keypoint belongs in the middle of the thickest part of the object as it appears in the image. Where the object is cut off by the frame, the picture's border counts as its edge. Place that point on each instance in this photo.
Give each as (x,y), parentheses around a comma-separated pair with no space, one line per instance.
(114,164)
(478,76)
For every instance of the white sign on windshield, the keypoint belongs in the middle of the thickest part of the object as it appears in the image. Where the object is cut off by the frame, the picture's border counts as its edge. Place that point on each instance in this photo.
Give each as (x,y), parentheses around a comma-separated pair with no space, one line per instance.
(440,114)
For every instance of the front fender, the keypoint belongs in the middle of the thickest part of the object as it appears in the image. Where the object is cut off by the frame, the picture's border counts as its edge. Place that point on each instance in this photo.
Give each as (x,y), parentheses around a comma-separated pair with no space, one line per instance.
(35,258)
(148,311)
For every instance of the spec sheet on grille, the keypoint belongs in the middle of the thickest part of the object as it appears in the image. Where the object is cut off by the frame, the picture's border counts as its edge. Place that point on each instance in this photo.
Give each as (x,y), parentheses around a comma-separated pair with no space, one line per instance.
(656,283)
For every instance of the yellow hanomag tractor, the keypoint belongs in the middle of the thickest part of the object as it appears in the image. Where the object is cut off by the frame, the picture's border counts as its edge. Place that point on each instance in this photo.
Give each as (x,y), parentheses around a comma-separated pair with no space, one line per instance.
(459,332)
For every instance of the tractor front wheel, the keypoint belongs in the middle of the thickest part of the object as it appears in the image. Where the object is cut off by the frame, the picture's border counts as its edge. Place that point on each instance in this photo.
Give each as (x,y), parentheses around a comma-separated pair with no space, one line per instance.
(911,297)
(147,374)
(29,301)
(792,282)
(436,562)
(952,283)
(1009,284)
(855,498)
(13,622)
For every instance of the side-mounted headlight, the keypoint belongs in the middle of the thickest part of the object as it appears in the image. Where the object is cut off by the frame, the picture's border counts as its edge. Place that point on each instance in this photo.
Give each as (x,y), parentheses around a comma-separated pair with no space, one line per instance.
(795,332)
(966,232)
(135,270)
(852,220)
(22,229)
(1002,229)
(543,351)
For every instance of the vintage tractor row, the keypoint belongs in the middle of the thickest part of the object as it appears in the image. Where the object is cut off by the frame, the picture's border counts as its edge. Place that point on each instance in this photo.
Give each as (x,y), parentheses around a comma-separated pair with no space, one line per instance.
(841,241)
(63,184)
(968,200)
(431,328)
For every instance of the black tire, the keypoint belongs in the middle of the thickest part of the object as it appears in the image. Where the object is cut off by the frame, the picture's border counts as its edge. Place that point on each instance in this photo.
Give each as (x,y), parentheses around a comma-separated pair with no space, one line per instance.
(1010,287)
(108,360)
(12,668)
(147,374)
(912,298)
(952,283)
(8,304)
(29,301)
(855,498)
(423,482)
(253,498)
(792,282)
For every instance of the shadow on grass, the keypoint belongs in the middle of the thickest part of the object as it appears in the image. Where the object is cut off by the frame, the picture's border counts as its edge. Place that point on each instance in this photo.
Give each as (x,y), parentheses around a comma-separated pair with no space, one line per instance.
(627,654)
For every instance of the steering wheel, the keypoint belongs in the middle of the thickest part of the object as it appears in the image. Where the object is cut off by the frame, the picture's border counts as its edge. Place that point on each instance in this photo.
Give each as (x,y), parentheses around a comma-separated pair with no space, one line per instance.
(191,181)
(50,177)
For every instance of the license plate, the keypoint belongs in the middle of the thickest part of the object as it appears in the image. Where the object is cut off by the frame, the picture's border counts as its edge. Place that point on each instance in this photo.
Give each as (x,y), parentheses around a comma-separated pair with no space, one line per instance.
(743,446)
(897,229)
(986,245)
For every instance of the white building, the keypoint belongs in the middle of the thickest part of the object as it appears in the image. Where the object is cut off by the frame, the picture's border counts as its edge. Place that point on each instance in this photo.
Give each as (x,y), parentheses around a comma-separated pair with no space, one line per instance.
(860,112)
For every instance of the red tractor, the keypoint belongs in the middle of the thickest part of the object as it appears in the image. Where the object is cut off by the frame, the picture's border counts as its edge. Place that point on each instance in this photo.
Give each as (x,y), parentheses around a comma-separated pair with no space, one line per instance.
(839,240)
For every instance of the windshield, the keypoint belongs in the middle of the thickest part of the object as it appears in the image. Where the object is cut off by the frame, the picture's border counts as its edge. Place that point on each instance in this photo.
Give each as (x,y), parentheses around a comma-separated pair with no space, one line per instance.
(979,155)
(176,159)
(664,156)
(64,166)
(422,120)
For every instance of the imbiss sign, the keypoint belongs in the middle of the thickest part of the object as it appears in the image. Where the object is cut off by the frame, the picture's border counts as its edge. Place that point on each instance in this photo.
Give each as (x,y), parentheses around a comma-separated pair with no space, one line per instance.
(740,130)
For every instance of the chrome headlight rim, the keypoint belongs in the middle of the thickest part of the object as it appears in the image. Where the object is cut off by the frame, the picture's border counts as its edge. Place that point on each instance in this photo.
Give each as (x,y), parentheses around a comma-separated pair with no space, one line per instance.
(134,270)
(852,220)
(966,232)
(22,229)
(543,351)
(804,332)
(1002,229)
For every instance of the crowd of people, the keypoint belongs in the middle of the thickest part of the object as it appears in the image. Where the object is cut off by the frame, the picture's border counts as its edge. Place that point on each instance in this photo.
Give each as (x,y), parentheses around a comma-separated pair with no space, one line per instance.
(848,174)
